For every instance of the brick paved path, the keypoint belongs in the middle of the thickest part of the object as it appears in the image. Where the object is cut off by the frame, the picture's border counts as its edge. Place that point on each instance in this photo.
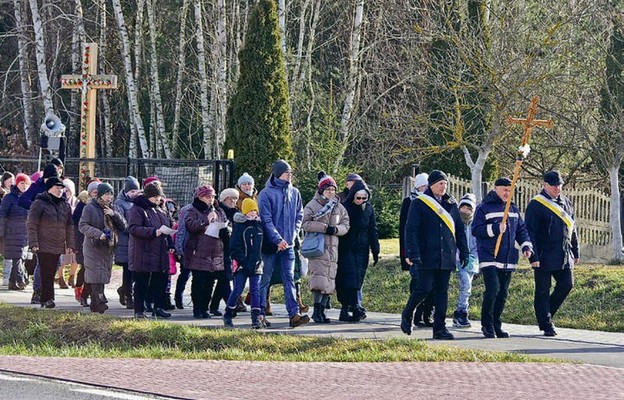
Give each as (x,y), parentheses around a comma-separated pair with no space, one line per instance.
(285,380)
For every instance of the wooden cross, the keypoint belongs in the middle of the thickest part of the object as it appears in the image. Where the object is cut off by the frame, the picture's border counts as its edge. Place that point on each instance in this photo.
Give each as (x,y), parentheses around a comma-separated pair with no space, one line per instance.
(89,82)
(528,123)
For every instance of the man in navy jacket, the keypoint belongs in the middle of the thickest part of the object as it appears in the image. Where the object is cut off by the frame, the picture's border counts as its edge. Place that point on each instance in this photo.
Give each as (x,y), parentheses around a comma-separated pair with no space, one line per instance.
(496,271)
(434,232)
(550,221)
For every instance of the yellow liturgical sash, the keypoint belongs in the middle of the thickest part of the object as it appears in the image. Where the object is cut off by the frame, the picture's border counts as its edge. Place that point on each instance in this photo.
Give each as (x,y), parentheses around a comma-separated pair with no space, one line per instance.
(557,210)
(439,211)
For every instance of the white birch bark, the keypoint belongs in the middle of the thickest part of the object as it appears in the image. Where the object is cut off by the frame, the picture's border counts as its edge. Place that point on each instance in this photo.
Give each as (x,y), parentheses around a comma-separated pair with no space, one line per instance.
(107,148)
(161,131)
(294,80)
(203,75)
(29,131)
(180,75)
(44,83)
(476,169)
(133,103)
(220,95)
(138,40)
(281,20)
(614,217)
(352,80)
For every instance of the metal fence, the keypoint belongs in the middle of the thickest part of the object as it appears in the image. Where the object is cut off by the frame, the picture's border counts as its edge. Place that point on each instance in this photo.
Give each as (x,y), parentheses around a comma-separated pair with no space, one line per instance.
(179,177)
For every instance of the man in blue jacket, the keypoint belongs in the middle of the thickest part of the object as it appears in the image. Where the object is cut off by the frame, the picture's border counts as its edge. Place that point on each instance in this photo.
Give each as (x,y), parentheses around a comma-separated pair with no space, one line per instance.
(281,212)
(496,271)
(434,232)
(550,221)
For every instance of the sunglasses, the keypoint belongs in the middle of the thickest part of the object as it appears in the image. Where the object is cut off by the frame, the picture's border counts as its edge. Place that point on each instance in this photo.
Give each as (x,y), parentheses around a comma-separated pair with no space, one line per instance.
(361,198)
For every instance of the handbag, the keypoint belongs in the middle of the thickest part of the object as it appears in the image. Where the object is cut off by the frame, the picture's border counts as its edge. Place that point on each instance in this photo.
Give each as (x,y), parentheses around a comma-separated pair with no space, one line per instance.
(313,244)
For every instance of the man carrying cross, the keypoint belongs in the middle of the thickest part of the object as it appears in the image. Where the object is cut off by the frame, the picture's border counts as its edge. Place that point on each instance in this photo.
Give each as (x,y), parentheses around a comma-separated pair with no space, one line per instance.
(550,222)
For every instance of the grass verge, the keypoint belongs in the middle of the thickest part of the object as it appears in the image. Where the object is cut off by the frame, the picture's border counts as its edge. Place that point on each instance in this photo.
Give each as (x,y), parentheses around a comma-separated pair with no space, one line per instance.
(31,332)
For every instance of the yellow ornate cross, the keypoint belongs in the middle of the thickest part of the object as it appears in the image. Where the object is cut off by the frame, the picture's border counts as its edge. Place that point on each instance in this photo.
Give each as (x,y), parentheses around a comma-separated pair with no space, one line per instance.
(528,123)
(89,82)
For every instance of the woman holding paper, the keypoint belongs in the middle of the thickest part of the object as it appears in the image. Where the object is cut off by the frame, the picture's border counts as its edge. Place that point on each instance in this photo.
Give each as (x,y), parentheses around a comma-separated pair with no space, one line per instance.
(148,248)
(207,226)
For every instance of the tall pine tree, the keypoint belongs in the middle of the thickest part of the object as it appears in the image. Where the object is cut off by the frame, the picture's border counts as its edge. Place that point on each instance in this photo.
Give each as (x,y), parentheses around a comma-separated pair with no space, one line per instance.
(258,117)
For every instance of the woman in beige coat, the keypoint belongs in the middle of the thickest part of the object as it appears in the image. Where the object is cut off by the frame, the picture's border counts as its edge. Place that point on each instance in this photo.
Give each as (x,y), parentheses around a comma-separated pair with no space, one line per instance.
(325,214)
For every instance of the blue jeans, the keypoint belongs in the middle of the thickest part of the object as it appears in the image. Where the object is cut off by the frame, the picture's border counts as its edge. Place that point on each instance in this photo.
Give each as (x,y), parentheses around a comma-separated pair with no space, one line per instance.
(286,258)
(240,279)
(465,288)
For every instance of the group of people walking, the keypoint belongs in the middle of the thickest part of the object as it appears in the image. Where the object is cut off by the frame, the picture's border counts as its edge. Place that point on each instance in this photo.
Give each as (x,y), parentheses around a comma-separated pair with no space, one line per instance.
(246,238)
(440,235)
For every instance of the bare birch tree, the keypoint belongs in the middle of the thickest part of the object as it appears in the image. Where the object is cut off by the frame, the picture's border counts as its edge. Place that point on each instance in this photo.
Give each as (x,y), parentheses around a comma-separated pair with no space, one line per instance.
(180,77)
(27,107)
(42,73)
(203,75)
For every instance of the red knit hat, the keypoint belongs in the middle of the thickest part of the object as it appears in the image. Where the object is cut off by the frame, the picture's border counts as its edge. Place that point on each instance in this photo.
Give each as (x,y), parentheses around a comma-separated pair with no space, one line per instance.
(205,190)
(22,178)
(151,179)
(325,182)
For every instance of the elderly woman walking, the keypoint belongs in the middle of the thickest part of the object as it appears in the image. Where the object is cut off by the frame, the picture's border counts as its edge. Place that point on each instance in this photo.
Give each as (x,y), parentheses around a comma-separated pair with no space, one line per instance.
(100,224)
(324,214)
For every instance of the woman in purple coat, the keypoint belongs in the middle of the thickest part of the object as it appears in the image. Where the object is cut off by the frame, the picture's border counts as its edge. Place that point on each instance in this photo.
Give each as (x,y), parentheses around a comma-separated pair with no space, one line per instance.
(148,248)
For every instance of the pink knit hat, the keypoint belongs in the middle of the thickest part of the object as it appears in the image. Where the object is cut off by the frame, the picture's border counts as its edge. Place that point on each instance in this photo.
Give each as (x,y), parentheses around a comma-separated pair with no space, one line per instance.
(203,191)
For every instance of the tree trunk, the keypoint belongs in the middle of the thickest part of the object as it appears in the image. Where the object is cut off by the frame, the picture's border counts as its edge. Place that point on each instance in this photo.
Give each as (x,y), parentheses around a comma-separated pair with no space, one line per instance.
(107,148)
(29,130)
(476,169)
(295,78)
(133,103)
(161,131)
(352,80)
(615,213)
(180,75)
(44,83)
(138,40)
(220,71)
(281,17)
(201,60)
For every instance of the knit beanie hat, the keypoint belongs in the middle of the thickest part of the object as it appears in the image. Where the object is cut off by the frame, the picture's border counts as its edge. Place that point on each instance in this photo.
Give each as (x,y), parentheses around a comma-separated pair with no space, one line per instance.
(421,180)
(436,176)
(326,182)
(468,199)
(22,178)
(249,205)
(131,184)
(71,187)
(152,190)
(203,191)
(151,179)
(104,188)
(279,167)
(245,178)
(49,171)
(229,192)
(57,161)
(504,181)
(93,185)
(354,177)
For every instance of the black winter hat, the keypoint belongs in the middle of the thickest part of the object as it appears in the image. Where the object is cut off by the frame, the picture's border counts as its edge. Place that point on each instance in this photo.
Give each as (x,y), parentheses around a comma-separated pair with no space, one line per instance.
(152,190)
(57,161)
(279,167)
(436,176)
(553,178)
(504,181)
(104,188)
(50,171)
(53,181)
(131,184)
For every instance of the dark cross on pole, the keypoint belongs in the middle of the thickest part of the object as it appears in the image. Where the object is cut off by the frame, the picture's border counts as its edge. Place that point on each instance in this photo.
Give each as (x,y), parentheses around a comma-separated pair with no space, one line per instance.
(523,151)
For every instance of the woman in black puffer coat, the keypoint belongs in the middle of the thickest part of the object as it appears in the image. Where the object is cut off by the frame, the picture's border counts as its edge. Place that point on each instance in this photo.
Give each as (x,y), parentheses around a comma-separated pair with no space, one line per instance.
(13,231)
(354,249)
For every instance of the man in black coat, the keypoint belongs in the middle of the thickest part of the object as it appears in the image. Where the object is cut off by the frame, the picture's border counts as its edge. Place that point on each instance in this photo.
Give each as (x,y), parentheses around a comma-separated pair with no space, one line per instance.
(433,234)
(550,222)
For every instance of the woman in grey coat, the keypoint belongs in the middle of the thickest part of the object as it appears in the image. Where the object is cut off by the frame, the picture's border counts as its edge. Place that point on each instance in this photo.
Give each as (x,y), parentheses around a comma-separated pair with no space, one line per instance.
(100,224)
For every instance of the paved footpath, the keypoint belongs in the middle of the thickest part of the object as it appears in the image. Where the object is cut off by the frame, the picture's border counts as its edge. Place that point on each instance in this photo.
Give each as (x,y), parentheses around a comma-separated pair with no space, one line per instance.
(598,372)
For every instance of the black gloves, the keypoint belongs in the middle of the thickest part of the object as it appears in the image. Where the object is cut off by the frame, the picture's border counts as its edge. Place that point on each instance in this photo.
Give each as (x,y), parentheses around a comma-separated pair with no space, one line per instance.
(463,262)
(375,258)
(331,230)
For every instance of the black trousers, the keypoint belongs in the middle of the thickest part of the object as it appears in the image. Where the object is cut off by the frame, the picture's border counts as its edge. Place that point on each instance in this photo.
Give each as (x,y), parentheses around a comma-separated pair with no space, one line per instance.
(49,264)
(428,281)
(126,280)
(496,283)
(149,283)
(222,292)
(201,288)
(545,303)
(183,277)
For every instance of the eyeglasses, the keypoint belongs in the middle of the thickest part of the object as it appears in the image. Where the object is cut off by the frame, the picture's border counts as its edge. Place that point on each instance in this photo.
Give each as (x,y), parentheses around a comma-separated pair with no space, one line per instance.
(361,198)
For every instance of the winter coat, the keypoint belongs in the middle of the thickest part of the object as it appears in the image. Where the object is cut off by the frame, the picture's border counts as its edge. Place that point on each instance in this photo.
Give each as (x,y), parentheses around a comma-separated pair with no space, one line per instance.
(281,211)
(553,247)
(76,215)
(405,206)
(13,225)
(486,228)
(242,196)
(26,199)
(246,245)
(430,243)
(356,245)
(98,254)
(49,225)
(181,235)
(203,252)
(124,204)
(323,269)
(146,251)
(473,259)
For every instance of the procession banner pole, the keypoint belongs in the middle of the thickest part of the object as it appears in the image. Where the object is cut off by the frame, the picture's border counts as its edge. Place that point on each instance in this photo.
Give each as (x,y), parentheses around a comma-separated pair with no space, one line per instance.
(523,151)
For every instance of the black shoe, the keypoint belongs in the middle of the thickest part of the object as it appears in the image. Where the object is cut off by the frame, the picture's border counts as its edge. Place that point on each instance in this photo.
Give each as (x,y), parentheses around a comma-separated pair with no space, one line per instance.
(149,307)
(428,322)
(406,323)
(216,313)
(140,315)
(160,313)
(129,303)
(488,332)
(48,304)
(13,286)
(317,317)
(122,295)
(501,334)
(443,335)
(36,298)
(84,302)
(197,314)
(550,332)
(178,303)
(344,314)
